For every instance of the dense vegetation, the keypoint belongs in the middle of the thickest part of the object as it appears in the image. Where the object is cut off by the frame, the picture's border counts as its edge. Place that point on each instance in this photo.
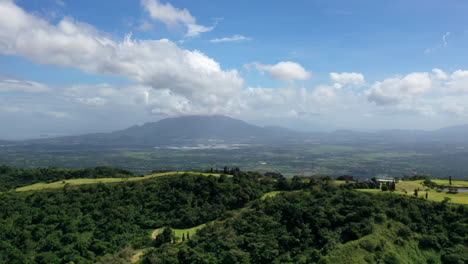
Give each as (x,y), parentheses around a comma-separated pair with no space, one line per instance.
(12,177)
(244,217)
(330,225)
(80,224)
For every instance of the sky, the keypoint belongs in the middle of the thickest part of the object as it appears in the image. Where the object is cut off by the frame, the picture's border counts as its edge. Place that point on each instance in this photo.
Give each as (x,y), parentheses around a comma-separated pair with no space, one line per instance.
(73,67)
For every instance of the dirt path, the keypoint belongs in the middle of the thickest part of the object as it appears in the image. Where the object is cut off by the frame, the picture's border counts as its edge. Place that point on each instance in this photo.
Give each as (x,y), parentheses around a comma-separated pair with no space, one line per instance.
(138,254)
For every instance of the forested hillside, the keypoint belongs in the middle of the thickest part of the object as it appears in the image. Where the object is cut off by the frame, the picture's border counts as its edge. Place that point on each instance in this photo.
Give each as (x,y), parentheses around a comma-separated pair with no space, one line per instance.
(327,225)
(81,224)
(245,217)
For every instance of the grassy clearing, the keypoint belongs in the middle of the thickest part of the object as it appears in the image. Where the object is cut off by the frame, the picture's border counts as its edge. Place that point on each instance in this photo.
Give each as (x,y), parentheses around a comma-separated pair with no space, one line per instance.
(74,182)
(271,194)
(338,182)
(156,232)
(408,187)
(192,231)
(454,183)
(179,232)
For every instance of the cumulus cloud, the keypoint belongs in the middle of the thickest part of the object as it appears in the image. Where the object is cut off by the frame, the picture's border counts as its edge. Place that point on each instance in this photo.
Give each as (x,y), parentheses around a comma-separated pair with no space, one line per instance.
(395,90)
(235,38)
(285,70)
(172,16)
(439,74)
(458,82)
(347,78)
(160,64)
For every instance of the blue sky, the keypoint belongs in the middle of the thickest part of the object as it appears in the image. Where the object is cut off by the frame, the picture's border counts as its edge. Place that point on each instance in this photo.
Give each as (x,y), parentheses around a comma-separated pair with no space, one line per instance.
(85,66)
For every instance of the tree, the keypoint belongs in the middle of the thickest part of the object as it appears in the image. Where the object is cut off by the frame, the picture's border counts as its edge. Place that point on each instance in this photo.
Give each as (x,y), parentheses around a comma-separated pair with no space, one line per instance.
(345,178)
(165,237)
(183,237)
(416,192)
(427,194)
(384,187)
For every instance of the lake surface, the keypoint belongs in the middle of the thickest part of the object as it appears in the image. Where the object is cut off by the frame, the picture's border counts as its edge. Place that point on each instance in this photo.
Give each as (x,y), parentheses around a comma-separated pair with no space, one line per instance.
(462,189)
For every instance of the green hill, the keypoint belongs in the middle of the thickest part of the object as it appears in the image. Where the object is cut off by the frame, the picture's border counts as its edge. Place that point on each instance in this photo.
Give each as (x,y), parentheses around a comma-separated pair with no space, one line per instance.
(245,218)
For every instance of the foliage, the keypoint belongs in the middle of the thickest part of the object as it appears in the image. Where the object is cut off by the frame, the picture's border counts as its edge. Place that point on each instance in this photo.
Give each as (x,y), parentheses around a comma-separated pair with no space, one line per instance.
(415,177)
(81,224)
(309,227)
(429,183)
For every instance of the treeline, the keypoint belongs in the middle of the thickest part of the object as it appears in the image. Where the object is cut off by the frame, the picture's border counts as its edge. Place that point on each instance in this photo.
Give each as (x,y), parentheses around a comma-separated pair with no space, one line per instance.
(315,226)
(81,224)
(13,177)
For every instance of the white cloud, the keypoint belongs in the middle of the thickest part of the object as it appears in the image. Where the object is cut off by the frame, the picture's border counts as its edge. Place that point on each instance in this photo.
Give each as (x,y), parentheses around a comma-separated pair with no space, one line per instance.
(195,30)
(86,106)
(285,70)
(167,13)
(395,90)
(439,74)
(458,82)
(347,78)
(145,26)
(11,85)
(234,38)
(324,94)
(172,16)
(160,64)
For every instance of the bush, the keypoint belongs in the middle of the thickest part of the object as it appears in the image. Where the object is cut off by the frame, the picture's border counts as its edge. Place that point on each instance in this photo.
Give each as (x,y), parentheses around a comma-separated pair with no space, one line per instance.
(428,242)
(404,232)
(368,245)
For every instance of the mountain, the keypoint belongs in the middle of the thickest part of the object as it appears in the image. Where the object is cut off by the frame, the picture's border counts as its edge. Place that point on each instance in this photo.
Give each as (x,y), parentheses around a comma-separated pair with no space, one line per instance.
(452,133)
(195,127)
(185,130)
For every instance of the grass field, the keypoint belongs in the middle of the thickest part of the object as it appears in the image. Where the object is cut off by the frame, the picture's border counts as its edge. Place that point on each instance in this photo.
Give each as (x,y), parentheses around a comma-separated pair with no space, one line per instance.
(455,183)
(408,187)
(74,182)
